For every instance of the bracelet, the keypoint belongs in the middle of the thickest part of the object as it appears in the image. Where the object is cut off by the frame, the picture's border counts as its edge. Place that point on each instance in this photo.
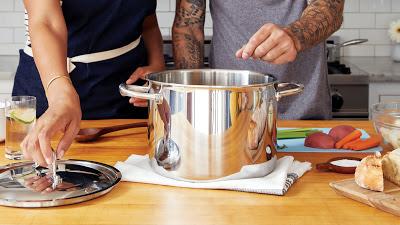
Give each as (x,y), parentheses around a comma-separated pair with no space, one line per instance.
(55,78)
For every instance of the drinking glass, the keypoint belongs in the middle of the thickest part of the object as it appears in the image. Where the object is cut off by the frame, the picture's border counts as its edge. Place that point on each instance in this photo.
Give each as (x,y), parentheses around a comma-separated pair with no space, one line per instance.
(20,114)
(2,120)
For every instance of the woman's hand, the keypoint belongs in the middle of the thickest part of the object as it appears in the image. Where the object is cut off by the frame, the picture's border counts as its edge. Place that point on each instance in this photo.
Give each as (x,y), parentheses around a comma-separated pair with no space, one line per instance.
(63,115)
(271,44)
(140,73)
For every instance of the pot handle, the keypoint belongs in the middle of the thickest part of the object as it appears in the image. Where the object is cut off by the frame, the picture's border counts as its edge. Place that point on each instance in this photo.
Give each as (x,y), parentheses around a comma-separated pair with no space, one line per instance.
(141,92)
(297,89)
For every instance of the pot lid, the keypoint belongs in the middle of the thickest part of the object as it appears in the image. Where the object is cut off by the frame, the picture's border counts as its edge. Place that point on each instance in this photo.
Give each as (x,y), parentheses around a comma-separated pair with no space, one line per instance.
(21,183)
(211,78)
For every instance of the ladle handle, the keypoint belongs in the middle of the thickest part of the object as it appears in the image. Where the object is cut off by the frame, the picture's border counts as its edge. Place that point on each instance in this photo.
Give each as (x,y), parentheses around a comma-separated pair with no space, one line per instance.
(324,167)
(107,130)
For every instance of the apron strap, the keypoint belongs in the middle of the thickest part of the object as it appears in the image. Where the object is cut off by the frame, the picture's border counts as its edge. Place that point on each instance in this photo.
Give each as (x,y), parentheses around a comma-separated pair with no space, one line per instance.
(94,57)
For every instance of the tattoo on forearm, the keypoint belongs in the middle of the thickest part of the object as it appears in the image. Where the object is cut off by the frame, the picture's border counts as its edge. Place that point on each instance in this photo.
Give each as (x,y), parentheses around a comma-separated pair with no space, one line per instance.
(319,20)
(188,33)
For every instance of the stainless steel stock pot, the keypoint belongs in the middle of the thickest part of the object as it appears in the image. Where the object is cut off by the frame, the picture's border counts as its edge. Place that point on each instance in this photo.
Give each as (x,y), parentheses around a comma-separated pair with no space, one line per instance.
(210,124)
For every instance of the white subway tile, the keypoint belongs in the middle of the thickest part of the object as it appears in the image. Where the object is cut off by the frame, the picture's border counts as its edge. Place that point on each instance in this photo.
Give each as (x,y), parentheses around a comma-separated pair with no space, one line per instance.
(395,6)
(6,35)
(172,5)
(347,34)
(19,5)
(383,20)
(11,19)
(165,19)
(208,32)
(10,49)
(208,22)
(375,36)
(362,19)
(375,5)
(7,5)
(165,31)
(359,20)
(359,50)
(19,35)
(163,6)
(352,6)
(383,50)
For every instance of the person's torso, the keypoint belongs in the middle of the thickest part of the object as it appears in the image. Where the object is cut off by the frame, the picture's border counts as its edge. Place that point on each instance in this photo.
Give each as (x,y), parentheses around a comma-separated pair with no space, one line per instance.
(235,21)
(95,26)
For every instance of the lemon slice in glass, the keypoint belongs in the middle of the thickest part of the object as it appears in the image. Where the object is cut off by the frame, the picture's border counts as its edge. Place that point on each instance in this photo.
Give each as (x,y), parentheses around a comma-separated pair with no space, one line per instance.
(25,116)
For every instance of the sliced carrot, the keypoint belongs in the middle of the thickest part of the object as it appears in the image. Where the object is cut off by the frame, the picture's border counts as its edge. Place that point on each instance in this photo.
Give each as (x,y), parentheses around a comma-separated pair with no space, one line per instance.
(367,143)
(349,144)
(348,138)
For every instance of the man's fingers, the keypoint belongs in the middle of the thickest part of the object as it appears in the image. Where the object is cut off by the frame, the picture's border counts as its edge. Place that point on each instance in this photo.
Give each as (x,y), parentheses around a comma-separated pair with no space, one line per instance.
(67,139)
(239,52)
(260,36)
(289,56)
(264,48)
(274,53)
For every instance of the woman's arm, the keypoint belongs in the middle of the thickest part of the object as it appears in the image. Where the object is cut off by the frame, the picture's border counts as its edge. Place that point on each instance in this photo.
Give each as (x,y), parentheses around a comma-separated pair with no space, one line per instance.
(49,40)
(154,46)
(153,42)
(48,33)
(319,20)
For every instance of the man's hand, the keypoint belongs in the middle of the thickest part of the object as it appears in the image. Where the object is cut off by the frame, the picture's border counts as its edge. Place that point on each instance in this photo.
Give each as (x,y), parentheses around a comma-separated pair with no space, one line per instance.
(271,44)
(140,73)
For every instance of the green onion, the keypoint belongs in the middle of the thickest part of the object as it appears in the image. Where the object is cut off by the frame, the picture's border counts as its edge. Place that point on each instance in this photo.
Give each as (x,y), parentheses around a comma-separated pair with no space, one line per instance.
(295,133)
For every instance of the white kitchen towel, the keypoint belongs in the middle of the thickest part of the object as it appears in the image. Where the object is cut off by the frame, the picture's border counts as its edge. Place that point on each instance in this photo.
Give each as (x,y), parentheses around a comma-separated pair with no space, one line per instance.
(138,169)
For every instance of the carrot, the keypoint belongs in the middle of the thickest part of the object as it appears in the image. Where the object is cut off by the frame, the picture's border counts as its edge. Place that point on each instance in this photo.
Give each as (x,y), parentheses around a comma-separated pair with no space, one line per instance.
(367,143)
(348,138)
(349,144)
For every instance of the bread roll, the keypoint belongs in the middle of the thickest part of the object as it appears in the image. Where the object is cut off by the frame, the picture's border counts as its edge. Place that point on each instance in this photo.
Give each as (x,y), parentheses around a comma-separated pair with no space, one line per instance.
(391,166)
(369,173)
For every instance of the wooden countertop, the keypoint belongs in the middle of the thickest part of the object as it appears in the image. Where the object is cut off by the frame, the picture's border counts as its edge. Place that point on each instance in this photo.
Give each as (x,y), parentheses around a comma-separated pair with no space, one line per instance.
(309,201)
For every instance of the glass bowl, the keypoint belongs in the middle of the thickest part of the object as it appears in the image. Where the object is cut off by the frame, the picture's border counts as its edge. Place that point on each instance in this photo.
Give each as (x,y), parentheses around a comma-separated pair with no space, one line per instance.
(386,119)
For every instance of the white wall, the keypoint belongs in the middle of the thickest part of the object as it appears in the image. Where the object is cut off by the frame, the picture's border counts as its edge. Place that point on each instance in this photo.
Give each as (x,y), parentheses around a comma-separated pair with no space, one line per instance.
(363,19)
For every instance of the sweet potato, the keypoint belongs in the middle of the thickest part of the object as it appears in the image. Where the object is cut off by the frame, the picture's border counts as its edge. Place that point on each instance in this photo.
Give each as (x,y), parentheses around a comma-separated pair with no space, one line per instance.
(341,131)
(319,140)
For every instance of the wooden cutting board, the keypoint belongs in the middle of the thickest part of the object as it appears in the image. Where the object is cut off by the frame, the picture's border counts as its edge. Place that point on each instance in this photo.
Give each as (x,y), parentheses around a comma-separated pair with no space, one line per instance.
(388,200)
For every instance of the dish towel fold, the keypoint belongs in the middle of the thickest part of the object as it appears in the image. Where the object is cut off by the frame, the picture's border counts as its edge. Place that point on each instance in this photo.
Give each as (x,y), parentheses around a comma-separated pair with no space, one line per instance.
(137,168)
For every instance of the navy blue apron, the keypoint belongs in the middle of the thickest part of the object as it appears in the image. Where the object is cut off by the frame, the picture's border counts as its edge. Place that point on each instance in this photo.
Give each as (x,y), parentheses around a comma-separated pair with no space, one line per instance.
(96,26)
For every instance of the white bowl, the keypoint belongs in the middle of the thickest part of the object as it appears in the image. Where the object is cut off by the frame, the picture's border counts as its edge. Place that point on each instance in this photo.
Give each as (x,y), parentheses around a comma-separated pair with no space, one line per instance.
(386,118)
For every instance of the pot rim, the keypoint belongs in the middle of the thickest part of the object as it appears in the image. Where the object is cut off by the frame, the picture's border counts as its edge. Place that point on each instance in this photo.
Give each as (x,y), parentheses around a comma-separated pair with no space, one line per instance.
(224,87)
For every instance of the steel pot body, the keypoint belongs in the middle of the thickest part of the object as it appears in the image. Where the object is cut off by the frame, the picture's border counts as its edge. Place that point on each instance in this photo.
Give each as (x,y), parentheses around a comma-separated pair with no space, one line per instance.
(210,124)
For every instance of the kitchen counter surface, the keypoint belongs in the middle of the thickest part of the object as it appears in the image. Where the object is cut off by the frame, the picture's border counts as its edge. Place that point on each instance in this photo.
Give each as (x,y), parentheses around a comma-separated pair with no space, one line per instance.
(378,69)
(309,201)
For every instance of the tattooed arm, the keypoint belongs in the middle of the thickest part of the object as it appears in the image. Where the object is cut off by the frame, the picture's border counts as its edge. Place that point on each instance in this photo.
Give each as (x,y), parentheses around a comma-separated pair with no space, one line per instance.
(188,33)
(280,45)
(319,20)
